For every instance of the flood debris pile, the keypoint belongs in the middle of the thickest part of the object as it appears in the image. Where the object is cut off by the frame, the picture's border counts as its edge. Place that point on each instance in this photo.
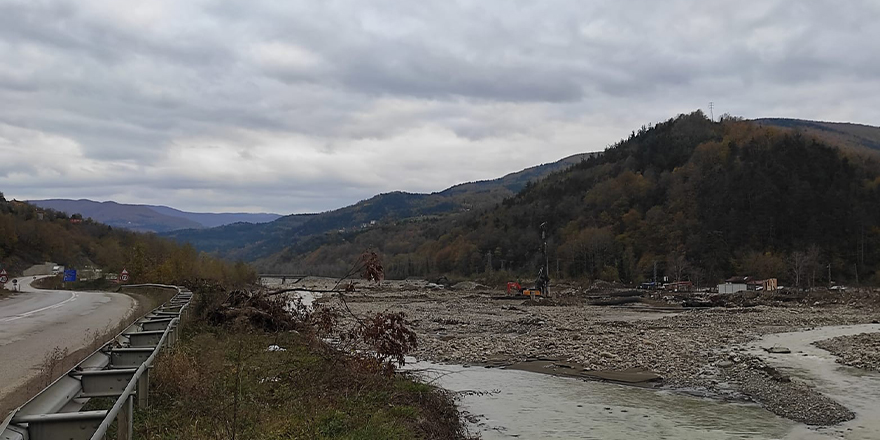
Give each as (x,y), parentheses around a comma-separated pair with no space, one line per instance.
(860,351)
(257,309)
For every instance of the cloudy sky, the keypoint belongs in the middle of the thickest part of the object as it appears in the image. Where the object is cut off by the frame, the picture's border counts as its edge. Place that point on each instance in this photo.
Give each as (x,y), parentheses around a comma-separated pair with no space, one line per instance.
(294,106)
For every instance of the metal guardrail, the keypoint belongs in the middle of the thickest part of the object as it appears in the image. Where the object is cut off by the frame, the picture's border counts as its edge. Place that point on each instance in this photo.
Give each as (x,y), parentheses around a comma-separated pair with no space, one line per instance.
(119,369)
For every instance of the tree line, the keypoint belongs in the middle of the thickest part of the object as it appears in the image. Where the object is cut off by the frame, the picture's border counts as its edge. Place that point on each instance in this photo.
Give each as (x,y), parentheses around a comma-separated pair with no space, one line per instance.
(694,198)
(30,235)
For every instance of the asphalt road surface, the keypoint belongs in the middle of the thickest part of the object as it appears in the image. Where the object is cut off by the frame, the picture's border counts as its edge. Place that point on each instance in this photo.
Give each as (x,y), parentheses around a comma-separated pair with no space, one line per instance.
(34,322)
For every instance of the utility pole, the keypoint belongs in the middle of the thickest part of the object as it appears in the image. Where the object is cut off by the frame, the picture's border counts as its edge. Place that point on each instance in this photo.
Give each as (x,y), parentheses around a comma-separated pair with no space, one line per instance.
(655,274)
(546,269)
(829,275)
(489,261)
(712,110)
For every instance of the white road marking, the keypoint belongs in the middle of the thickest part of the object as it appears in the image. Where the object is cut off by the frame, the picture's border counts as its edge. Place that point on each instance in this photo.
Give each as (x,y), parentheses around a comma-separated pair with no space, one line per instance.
(73,296)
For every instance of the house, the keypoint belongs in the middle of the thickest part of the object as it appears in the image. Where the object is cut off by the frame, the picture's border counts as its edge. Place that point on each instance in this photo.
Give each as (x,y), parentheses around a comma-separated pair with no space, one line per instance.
(742,283)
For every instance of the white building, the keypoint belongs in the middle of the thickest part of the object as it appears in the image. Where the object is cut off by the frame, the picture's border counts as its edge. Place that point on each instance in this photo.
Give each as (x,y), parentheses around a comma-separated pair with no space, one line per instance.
(732,287)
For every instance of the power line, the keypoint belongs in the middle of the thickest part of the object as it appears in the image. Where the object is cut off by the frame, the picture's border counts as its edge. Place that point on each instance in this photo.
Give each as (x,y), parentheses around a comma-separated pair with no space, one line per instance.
(712,110)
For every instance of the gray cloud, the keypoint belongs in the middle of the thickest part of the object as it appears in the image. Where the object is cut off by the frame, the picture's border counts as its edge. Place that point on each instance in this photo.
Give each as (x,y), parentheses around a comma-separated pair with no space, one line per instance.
(305,106)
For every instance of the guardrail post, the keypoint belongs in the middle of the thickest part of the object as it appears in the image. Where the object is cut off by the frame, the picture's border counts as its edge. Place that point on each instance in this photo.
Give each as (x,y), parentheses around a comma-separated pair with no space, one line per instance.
(125,420)
(143,389)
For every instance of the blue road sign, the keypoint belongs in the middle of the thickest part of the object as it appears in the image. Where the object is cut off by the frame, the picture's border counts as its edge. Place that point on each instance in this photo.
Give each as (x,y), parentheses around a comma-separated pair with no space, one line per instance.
(69,275)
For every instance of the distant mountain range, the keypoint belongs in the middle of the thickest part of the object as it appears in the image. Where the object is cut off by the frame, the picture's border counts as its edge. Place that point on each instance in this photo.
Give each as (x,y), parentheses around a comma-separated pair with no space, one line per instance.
(843,134)
(148,218)
(251,242)
(271,240)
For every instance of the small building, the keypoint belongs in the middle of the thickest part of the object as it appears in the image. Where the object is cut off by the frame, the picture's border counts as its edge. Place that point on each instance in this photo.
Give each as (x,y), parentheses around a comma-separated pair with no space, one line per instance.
(732,287)
(740,283)
(680,286)
(768,285)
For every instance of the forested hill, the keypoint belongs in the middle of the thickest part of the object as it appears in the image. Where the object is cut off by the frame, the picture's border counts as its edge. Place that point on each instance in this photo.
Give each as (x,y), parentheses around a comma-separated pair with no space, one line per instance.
(253,241)
(855,136)
(704,200)
(32,235)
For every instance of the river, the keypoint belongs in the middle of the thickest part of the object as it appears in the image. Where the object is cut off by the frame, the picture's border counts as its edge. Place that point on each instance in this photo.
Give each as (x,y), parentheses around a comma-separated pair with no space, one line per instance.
(858,390)
(513,404)
(527,405)
(519,404)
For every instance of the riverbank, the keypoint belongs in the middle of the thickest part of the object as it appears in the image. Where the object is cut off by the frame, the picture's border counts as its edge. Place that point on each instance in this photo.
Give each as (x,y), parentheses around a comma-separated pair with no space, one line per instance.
(860,351)
(694,350)
(230,377)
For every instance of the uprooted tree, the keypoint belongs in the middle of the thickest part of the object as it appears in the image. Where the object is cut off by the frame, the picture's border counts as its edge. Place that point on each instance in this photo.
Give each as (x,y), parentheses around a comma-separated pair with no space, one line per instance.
(383,339)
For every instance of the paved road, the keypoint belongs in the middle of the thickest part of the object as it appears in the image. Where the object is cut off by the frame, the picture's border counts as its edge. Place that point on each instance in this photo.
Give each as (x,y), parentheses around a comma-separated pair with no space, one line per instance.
(34,322)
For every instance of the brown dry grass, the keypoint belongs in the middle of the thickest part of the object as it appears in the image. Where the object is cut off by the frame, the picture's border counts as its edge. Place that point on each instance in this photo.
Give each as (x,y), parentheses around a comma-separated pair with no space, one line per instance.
(224,383)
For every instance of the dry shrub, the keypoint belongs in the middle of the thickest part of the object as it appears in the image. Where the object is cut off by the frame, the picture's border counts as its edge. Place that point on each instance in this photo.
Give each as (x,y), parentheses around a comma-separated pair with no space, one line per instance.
(257,310)
(389,337)
(202,285)
(372,266)
(52,365)
(178,374)
(325,321)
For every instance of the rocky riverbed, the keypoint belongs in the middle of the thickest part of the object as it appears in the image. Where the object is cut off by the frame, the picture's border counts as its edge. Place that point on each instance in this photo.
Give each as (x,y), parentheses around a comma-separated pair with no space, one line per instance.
(697,350)
(860,351)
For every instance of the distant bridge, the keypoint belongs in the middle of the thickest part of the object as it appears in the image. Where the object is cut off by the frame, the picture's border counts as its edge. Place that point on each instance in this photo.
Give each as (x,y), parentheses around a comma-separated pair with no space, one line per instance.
(284,277)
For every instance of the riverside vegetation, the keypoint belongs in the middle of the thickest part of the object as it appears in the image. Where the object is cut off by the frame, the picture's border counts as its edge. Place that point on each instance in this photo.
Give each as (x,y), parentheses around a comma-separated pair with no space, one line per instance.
(251,366)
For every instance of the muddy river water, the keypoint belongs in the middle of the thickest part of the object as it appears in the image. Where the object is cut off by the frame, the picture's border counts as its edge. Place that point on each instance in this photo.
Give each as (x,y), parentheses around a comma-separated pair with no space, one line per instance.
(511,404)
(858,390)
(507,404)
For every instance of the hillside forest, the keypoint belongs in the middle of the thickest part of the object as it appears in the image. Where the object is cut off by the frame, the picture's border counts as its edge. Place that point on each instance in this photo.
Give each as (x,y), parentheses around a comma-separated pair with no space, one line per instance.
(30,235)
(696,199)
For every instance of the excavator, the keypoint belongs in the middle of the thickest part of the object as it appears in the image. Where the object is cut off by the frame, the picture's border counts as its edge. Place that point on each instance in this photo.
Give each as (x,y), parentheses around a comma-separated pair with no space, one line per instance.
(542,283)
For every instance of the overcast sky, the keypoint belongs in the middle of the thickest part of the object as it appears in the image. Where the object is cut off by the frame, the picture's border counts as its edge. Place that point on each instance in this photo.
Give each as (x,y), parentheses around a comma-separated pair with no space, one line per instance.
(293,106)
